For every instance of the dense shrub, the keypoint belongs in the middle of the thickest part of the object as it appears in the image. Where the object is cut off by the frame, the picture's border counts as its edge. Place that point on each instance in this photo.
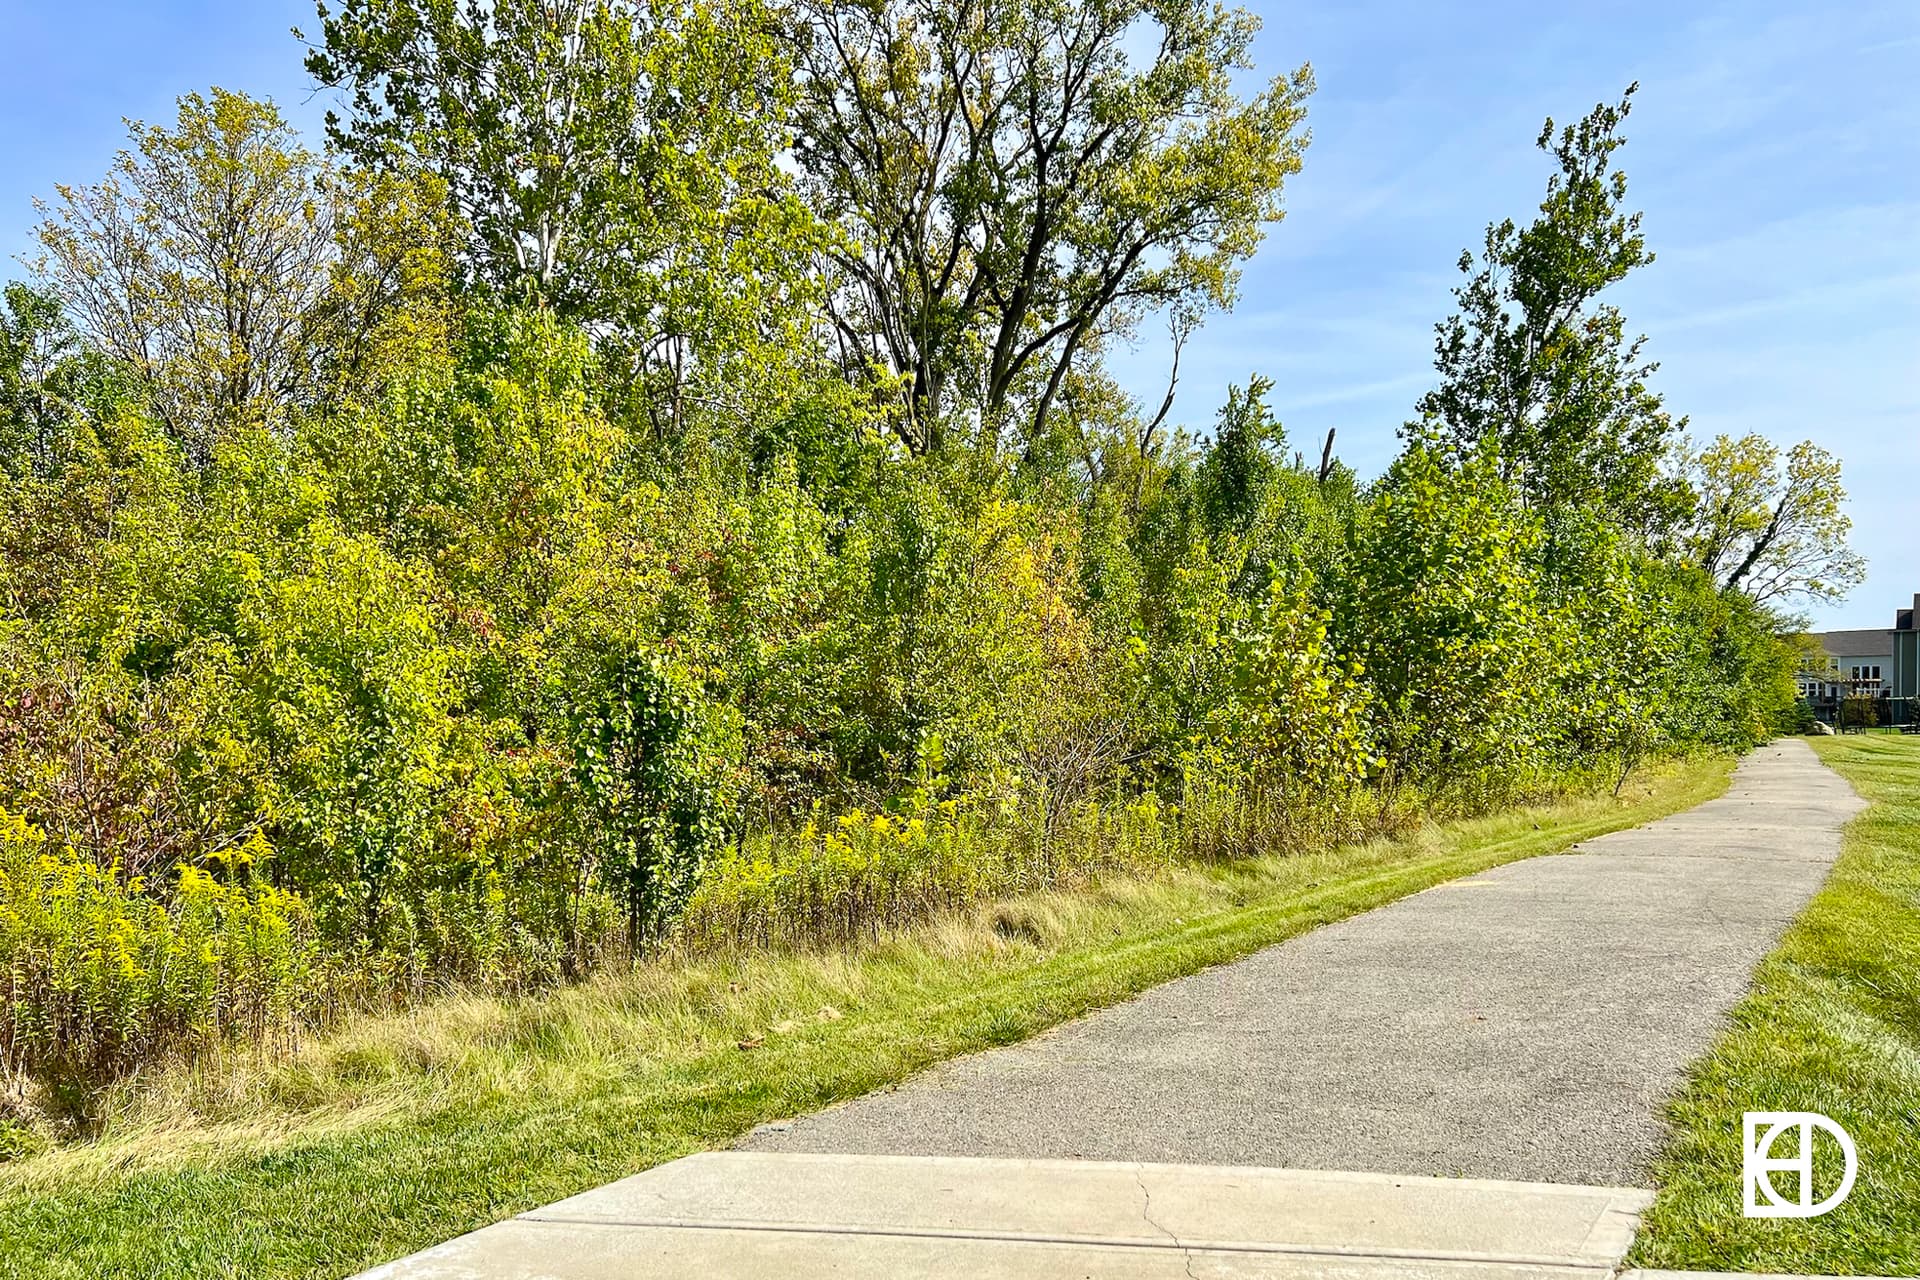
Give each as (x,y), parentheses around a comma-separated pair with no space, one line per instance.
(1444,609)
(527,637)
(650,760)
(505,702)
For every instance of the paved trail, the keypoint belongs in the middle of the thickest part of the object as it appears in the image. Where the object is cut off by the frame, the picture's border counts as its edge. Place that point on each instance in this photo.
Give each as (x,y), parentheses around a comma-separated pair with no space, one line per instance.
(1522,1024)
(1525,1023)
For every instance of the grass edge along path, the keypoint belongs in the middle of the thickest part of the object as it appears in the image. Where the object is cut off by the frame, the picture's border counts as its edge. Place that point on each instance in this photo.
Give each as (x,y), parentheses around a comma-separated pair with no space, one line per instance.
(1832,1025)
(489,1108)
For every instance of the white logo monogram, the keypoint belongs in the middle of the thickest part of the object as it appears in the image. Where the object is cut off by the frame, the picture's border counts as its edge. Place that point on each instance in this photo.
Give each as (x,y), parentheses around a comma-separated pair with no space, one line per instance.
(1757,1165)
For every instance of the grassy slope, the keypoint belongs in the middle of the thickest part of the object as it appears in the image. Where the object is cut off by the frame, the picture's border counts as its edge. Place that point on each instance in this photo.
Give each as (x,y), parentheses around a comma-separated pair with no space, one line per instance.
(1833,1025)
(400,1133)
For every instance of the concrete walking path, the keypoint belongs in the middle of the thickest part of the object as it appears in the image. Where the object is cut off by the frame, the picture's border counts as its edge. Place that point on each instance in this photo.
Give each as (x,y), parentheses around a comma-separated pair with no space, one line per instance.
(785,1217)
(1515,1032)
(1523,1024)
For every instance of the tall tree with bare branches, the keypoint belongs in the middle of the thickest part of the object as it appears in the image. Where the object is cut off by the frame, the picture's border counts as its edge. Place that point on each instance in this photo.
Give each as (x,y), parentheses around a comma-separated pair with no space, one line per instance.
(237,276)
(1016,182)
(201,262)
(1769,522)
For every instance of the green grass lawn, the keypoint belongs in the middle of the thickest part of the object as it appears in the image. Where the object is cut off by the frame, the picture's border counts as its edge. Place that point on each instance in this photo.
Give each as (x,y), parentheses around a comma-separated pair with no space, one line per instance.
(1833,1025)
(402,1132)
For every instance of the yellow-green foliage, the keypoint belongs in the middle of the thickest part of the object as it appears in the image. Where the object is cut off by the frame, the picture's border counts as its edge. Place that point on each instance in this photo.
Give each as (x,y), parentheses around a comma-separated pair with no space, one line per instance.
(100,974)
(541,626)
(488,674)
(449,1116)
(866,872)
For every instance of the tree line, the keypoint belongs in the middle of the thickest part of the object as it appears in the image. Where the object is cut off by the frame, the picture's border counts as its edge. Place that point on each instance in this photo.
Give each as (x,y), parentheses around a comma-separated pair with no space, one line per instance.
(655,475)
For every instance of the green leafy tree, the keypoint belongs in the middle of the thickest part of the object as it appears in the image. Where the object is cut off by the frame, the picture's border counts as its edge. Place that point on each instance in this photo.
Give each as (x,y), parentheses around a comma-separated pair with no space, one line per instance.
(613,160)
(233,272)
(1443,609)
(1228,520)
(1535,364)
(1771,523)
(1240,463)
(1016,182)
(40,371)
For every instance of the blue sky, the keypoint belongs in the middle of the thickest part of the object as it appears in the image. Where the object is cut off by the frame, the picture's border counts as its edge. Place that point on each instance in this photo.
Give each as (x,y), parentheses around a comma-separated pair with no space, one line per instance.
(1775,149)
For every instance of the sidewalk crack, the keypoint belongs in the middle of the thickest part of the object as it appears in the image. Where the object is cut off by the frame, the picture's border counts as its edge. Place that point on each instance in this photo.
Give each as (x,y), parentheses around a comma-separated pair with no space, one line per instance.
(1146,1212)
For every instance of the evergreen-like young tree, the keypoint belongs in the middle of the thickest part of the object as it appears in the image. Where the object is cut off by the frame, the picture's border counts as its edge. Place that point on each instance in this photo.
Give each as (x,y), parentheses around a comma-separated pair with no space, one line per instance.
(1536,368)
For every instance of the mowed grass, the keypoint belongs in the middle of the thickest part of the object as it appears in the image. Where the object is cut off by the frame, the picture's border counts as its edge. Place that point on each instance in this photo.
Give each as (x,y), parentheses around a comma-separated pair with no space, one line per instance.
(402,1132)
(1833,1026)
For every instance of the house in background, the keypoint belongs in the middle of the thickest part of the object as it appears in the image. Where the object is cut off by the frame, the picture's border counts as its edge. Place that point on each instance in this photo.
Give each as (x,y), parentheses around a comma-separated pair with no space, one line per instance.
(1882,665)
(1857,662)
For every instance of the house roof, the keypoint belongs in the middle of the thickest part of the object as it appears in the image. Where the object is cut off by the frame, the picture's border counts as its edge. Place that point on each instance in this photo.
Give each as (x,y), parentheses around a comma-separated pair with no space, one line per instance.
(1857,644)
